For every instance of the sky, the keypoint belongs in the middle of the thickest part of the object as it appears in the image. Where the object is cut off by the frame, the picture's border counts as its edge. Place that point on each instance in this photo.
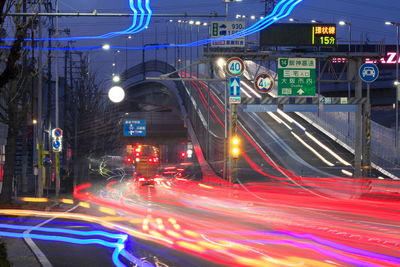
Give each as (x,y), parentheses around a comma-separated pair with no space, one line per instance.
(366,16)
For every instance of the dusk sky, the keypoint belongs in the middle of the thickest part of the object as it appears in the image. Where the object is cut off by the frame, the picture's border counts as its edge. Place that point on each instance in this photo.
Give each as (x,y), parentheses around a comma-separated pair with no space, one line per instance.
(367,18)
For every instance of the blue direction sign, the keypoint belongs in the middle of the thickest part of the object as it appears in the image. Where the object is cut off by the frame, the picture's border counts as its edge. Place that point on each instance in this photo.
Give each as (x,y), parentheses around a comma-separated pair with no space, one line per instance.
(369,72)
(134,128)
(234,86)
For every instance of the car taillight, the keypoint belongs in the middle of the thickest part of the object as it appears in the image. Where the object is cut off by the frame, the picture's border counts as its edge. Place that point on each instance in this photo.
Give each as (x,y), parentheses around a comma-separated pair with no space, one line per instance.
(128,160)
(142,179)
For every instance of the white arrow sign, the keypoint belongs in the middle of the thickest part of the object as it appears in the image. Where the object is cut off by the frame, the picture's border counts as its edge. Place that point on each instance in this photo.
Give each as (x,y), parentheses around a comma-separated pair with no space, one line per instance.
(235,85)
(300,92)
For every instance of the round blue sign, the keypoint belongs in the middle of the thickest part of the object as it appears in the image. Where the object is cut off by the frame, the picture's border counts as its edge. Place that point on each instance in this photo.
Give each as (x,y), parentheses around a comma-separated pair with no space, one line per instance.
(56,144)
(369,72)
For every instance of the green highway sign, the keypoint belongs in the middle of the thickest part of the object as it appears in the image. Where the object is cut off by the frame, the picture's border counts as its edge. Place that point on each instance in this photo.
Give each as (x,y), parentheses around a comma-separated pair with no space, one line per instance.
(296,76)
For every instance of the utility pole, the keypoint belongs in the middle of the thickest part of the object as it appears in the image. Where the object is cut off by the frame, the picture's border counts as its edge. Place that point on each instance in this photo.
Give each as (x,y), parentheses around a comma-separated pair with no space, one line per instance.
(39,135)
(57,154)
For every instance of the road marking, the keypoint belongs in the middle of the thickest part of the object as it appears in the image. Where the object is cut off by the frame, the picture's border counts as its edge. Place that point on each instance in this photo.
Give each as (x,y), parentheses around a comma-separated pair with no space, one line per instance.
(35,249)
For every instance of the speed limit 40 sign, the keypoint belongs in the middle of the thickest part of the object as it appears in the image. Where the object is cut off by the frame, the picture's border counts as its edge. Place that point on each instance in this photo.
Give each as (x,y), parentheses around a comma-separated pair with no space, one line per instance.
(263,83)
(234,66)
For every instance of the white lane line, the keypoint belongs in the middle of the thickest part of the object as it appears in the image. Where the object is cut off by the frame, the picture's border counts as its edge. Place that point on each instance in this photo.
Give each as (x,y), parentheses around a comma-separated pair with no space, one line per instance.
(35,249)
(313,150)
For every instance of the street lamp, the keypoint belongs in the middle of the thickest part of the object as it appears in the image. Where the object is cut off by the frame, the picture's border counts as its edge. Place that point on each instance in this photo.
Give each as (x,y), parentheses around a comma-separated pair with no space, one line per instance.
(397,82)
(116,78)
(106,47)
(315,21)
(345,23)
(227,7)
(116,94)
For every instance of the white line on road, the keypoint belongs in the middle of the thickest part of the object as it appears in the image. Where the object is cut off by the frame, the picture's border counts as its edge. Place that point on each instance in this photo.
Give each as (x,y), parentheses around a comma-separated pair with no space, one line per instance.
(35,249)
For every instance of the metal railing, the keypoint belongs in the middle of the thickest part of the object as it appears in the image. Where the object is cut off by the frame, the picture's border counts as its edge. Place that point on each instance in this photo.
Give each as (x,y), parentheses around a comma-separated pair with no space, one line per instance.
(383,151)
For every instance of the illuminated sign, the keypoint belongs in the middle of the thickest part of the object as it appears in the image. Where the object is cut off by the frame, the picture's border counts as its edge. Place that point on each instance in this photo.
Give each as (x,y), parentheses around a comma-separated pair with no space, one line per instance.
(324,35)
(299,34)
(390,59)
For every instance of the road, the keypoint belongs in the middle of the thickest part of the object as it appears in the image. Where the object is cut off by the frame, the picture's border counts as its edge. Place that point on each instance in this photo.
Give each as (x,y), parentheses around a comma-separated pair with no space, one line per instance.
(259,224)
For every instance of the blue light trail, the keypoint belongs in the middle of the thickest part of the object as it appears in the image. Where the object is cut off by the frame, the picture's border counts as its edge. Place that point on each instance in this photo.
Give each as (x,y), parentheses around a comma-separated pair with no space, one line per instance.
(116,241)
(281,10)
(135,5)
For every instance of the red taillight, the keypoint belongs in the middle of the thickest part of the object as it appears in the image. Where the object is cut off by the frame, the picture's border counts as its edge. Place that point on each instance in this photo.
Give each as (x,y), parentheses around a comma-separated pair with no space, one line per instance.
(151,160)
(128,160)
(142,179)
(183,155)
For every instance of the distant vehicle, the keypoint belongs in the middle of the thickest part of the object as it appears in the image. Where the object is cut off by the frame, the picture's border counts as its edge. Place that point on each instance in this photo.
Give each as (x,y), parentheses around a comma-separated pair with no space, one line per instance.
(144,181)
(368,71)
(146,159)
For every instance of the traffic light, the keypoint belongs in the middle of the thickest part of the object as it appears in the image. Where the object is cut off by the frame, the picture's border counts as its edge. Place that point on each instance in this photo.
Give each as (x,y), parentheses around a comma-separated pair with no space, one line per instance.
(235,150)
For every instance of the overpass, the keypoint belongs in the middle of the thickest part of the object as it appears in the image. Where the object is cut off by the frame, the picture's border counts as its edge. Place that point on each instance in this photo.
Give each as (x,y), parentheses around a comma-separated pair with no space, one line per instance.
(275,145)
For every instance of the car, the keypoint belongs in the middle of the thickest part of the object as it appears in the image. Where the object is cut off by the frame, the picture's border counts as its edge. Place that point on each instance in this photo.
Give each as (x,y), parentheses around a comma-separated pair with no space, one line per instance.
(144,181)
(368,71)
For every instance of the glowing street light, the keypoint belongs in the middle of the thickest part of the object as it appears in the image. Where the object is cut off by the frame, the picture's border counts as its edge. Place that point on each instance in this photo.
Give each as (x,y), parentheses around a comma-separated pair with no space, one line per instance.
(106,47)
(116,78)
(116,94)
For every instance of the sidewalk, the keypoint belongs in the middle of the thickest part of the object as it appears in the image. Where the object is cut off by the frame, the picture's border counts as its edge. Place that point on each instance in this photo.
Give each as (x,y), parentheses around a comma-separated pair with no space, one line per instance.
(19,254)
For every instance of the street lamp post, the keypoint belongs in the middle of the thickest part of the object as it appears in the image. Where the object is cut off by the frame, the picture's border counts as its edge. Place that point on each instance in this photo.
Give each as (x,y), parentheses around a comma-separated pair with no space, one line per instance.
(397,84)
(126,52)
(345,23)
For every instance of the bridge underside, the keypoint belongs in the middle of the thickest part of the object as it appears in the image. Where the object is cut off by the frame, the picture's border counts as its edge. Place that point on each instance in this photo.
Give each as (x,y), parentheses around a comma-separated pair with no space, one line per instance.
(155,103)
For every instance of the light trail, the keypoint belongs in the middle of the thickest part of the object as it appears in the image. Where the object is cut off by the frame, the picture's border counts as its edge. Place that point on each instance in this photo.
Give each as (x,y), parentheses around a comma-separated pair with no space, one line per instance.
(118,244)
(281,10)
(145,13)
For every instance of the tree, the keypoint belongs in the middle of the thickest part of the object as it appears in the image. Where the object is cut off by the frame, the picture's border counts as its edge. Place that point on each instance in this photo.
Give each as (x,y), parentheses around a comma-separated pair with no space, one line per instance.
(14,92)
(84,118)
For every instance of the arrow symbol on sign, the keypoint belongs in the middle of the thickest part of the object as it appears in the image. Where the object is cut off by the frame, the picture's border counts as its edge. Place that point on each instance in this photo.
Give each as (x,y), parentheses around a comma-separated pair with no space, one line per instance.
(235,85)
(300,92)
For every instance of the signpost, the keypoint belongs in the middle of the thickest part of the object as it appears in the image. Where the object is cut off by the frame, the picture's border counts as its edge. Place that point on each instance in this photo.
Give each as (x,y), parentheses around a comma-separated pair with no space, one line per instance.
(234,66)
(220,29)
(264,83)
(234,90)
(134,128)
(56,143)
(296,76)
(368,73)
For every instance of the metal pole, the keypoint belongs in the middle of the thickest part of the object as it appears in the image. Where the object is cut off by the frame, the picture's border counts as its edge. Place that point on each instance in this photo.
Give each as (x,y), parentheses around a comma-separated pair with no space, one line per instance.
(349,85)
(226,152)
(397,90)
(358,124)
(57,155)
(126,54)
(122,15)
(197,51)
(39,127)
(208,121)
(226,10)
